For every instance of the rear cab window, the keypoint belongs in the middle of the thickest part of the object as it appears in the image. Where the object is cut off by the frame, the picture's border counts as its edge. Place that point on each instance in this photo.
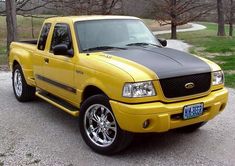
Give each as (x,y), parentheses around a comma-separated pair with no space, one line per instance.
(43,37)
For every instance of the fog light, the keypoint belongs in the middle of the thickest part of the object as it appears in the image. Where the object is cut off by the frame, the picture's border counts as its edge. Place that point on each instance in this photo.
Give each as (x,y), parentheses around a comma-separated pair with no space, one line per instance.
(146,123)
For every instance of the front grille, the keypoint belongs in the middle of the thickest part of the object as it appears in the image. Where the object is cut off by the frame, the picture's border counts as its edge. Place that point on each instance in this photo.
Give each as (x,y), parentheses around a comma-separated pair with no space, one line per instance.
(175,87)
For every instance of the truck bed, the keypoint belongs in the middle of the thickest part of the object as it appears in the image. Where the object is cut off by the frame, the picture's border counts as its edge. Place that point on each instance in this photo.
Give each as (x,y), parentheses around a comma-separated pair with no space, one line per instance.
(30,41)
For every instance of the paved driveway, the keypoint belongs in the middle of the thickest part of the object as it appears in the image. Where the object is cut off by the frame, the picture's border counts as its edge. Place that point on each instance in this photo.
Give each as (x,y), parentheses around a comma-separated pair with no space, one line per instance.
(195,27)
(37,133)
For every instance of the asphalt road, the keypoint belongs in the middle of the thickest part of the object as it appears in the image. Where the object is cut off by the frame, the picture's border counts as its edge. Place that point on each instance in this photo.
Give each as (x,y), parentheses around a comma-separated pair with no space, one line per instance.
(37,133)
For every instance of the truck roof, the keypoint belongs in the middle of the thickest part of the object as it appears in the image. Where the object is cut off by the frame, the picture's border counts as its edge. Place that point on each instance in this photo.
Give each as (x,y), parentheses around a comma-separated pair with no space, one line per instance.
(85,18)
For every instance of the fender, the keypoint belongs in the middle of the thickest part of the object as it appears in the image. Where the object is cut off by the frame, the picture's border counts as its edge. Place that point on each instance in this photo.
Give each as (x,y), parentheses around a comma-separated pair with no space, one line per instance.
(24,58)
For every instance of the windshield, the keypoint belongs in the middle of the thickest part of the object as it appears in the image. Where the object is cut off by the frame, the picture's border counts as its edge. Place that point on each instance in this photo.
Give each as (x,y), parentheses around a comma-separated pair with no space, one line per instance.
(113,34)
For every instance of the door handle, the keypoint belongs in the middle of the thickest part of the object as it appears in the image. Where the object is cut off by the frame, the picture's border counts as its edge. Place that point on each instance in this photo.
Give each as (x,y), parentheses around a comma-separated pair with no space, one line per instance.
(46,60)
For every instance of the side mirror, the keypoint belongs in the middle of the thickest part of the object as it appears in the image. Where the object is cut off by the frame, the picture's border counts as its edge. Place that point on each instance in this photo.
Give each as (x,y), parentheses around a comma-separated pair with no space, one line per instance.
(163,42)
(62,49)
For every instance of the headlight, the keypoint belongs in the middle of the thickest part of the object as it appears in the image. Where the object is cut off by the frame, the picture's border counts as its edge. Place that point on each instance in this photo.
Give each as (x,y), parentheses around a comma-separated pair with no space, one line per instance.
(218,77)
(139,89)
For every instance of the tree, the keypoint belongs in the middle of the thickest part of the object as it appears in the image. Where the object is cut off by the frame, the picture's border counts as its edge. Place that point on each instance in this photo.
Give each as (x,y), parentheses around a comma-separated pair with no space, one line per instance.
(11,22)
(108,5)
(179,12)
(87,7)
(221,22)
(11,8)
(173,15)
(229,14)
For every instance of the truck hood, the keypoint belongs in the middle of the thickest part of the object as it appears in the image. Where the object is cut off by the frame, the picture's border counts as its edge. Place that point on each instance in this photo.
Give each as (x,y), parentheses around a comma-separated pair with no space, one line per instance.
(164,62)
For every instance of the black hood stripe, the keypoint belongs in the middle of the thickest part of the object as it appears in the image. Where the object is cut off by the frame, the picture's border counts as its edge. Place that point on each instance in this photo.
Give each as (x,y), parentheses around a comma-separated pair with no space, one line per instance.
(165,62)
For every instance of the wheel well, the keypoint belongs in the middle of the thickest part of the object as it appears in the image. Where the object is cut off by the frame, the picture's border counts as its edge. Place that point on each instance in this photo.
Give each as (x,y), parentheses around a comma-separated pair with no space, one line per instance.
(90,91)
(15,63)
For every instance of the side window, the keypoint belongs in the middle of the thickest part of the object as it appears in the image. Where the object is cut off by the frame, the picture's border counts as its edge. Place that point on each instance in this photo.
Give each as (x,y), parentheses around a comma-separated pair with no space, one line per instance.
(61,35)
(43,36)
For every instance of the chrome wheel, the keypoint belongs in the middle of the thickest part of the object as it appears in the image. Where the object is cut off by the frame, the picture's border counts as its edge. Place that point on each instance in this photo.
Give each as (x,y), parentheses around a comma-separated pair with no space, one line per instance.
(18,86)
(100,125)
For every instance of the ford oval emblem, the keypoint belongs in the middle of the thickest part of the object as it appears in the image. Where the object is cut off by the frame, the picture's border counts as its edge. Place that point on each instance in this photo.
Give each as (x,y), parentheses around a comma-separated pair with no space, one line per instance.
(189,85)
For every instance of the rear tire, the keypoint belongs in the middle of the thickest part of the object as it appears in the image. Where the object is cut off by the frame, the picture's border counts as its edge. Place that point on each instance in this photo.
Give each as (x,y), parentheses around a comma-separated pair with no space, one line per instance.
(23,92)
(99,127)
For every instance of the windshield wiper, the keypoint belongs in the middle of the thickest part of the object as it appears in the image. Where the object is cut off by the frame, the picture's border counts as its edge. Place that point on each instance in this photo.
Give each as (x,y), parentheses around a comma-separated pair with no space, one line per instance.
(103,48)
(142,44)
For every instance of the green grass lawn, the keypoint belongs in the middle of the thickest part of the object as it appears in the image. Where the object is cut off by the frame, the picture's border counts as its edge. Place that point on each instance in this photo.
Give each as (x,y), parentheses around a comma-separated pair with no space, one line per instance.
(218,49)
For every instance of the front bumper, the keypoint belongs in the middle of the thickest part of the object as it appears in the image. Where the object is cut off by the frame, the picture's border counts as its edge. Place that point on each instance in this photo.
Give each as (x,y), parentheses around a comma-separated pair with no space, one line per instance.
(166,116)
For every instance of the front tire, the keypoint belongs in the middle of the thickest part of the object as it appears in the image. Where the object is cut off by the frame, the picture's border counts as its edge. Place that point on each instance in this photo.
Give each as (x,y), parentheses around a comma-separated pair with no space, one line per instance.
(99,127)
(23,92)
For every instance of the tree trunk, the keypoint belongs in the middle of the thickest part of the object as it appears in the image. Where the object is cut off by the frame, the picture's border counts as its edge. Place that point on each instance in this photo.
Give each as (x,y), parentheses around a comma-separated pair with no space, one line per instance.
(230,29)
(173,20)
(104,7)
(173,31)
(231,19)
(32,27)
(220,10)
(11,22)
(122,8)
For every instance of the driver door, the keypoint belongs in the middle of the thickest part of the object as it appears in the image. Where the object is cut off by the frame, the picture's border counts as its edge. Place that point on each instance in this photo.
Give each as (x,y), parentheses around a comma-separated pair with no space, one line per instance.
(59,69)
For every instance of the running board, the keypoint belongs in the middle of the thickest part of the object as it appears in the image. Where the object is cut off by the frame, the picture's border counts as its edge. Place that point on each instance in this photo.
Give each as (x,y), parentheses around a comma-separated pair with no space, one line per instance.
(58,103)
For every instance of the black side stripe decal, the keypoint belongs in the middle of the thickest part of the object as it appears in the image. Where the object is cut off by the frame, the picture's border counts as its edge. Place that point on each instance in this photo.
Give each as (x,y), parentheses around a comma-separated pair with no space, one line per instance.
(62,86)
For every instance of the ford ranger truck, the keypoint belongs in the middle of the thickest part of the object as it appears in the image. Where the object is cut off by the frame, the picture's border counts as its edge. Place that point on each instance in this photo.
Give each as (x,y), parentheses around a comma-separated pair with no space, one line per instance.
(120,79)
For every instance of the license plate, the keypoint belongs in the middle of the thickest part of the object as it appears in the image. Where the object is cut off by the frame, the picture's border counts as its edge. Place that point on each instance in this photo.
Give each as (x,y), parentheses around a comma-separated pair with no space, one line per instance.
(193,111)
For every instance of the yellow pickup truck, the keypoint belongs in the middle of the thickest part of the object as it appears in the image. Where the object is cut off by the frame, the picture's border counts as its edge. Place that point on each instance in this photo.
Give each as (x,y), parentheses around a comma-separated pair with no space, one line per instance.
(120,79)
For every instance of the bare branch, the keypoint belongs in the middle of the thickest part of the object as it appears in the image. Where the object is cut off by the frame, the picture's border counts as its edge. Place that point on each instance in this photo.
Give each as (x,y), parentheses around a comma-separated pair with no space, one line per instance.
(179,12)
(36,16)
(34,8)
